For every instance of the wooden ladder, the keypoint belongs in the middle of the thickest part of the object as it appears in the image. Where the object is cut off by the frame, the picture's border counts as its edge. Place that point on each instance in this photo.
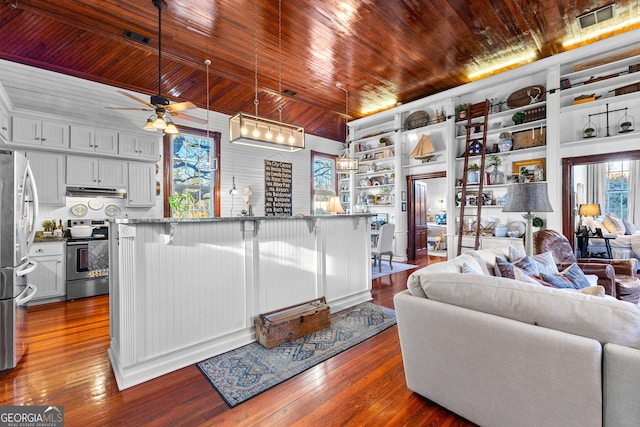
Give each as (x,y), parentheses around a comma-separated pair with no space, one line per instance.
(477,116)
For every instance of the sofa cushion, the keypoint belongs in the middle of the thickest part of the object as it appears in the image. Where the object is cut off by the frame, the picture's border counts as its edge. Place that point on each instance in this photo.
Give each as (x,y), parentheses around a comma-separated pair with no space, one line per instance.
(545,262)
(451,266)
(466,268)
(603,319)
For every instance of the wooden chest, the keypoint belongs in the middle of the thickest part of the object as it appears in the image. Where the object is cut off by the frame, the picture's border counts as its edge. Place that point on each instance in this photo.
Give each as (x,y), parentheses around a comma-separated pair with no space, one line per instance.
(530,138)
(287,324)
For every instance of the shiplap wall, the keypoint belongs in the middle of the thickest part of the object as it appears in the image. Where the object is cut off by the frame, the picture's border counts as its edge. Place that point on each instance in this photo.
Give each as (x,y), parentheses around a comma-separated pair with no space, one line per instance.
(72,100)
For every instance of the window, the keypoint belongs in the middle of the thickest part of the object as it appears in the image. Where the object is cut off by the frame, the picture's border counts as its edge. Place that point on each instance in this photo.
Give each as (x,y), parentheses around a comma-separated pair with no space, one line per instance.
(617,189)
(323,179)
(192,179)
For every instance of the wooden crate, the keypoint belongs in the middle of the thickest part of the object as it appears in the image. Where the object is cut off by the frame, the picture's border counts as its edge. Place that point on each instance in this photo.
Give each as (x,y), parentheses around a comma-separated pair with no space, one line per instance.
(530,138)
(289,323)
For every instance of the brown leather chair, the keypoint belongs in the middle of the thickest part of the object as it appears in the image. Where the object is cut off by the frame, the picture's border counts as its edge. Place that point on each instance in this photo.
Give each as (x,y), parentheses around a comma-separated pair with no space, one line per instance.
(618,276)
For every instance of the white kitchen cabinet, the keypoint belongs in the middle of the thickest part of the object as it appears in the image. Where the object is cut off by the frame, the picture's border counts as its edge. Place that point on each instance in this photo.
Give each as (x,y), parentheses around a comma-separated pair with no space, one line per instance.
(93,140)
(40,132)
(138,146)
(96,172)
(142,187)
(49,276)
(48,171)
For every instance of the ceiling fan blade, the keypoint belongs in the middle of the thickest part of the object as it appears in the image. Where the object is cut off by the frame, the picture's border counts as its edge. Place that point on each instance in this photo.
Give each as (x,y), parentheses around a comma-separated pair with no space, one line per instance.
(135,98)
(180,106)
(188,117)
(130,109)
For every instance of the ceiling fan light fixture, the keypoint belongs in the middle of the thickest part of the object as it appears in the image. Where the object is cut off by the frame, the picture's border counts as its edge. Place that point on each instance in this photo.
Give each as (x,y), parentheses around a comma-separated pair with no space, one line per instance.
(159,123)
(149,125)
(171,127)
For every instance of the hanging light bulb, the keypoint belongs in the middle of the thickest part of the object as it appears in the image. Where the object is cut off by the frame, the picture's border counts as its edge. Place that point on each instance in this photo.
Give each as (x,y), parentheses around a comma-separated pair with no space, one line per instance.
(256,132)
(269,135)
(280,138)
(291,138)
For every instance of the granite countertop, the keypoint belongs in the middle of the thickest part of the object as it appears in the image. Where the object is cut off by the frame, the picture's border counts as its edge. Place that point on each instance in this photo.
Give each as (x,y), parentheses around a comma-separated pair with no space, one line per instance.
(39,238)
(235,219)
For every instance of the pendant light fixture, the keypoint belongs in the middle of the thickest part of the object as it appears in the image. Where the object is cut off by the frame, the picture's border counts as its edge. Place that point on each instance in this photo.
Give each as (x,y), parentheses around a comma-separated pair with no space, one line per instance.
(344,163)
(257,131)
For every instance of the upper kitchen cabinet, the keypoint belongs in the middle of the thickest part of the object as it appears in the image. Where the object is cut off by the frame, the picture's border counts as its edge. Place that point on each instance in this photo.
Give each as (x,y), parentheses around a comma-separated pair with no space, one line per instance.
(94,140)
(48,172)
(142,147)
(142,185)
(93,172)
(40,132)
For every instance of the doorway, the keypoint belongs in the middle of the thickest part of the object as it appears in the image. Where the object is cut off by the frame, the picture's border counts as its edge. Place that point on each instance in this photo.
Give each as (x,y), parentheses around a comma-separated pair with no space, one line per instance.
(425,198)
(569,206)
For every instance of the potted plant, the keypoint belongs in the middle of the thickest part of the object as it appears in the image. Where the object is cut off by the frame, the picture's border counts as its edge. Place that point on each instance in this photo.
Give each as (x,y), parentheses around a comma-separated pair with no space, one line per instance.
(626,126)
(180,203)
(462,111)
(48,225)
(588,132)
(518,118)
(537,223)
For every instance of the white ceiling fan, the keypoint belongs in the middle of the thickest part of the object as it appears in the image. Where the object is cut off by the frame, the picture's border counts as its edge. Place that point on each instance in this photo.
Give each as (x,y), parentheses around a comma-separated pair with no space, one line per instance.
(160,105)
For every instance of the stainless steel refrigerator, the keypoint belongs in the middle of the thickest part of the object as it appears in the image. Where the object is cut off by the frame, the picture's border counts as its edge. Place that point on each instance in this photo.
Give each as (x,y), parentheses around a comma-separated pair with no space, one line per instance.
(18,213)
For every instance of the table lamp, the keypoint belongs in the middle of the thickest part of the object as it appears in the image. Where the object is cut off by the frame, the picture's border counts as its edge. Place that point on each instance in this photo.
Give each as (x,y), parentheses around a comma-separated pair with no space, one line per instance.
(528,197)
(588,210)
(334,206)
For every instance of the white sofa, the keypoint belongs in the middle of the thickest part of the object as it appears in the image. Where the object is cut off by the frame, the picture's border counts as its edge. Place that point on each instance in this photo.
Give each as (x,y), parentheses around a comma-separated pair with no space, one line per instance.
(501,352)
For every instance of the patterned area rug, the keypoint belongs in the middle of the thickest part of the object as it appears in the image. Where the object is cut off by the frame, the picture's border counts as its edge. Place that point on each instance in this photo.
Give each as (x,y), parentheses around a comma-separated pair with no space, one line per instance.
(397,266)
(245,372)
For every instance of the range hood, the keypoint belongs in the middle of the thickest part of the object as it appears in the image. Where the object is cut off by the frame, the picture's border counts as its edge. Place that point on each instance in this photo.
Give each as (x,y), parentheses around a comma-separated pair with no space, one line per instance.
(116,193)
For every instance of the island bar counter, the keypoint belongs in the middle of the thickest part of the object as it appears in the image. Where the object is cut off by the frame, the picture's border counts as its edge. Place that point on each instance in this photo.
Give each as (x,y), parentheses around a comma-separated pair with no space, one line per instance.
(184,290)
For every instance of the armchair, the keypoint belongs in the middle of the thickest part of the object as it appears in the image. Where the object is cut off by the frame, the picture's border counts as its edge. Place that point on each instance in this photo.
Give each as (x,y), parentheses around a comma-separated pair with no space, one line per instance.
(617,276)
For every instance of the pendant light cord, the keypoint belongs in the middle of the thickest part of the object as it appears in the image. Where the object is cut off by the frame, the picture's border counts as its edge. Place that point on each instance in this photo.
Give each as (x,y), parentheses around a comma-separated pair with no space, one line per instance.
(255,46)
(280,59)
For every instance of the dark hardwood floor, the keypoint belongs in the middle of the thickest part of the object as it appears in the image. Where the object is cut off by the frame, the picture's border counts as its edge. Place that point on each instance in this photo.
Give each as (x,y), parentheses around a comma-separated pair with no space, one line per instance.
(67,365)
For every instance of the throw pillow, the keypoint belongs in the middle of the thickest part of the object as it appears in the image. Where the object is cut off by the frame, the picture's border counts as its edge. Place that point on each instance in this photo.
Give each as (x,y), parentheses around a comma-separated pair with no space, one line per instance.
(613,224)
(597,291)
(570,277)
(629,227)
(529,265)
(466,268)
(546,263)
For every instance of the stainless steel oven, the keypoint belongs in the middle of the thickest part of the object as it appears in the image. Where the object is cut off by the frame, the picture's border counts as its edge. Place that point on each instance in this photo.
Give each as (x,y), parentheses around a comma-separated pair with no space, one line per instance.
(88,262)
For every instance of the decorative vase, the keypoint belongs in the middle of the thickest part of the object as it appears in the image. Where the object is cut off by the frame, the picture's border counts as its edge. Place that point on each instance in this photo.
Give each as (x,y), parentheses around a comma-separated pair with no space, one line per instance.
(505,145)
(473,177)
(496,177)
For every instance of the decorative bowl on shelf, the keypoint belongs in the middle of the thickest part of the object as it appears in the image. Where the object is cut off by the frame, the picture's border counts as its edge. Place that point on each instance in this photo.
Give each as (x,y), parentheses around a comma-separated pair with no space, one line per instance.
(513,233)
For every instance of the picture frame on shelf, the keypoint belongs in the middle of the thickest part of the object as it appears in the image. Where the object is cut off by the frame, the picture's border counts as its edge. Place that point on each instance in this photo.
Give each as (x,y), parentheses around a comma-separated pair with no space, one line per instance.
(530,170)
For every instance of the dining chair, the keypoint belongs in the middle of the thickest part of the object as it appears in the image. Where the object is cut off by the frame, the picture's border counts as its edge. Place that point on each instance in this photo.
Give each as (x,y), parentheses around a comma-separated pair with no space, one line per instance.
(384,246)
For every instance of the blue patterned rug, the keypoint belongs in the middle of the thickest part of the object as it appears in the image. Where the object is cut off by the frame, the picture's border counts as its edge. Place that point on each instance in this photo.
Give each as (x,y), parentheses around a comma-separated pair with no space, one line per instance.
(245,372)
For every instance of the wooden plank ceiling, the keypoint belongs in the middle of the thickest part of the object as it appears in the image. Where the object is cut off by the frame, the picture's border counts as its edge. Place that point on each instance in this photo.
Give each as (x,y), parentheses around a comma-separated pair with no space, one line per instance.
(382,51)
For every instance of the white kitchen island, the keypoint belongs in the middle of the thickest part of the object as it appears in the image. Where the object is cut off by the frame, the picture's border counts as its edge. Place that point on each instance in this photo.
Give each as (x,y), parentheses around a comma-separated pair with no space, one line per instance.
(183,290)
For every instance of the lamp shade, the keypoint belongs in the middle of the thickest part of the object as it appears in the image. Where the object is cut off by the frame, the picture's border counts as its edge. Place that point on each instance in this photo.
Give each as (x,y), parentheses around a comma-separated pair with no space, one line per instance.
(334,205)
(528,197)
(589,209)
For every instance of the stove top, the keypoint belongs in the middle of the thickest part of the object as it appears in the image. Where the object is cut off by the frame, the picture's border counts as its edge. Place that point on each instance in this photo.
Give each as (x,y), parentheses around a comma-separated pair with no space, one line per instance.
(100,230)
